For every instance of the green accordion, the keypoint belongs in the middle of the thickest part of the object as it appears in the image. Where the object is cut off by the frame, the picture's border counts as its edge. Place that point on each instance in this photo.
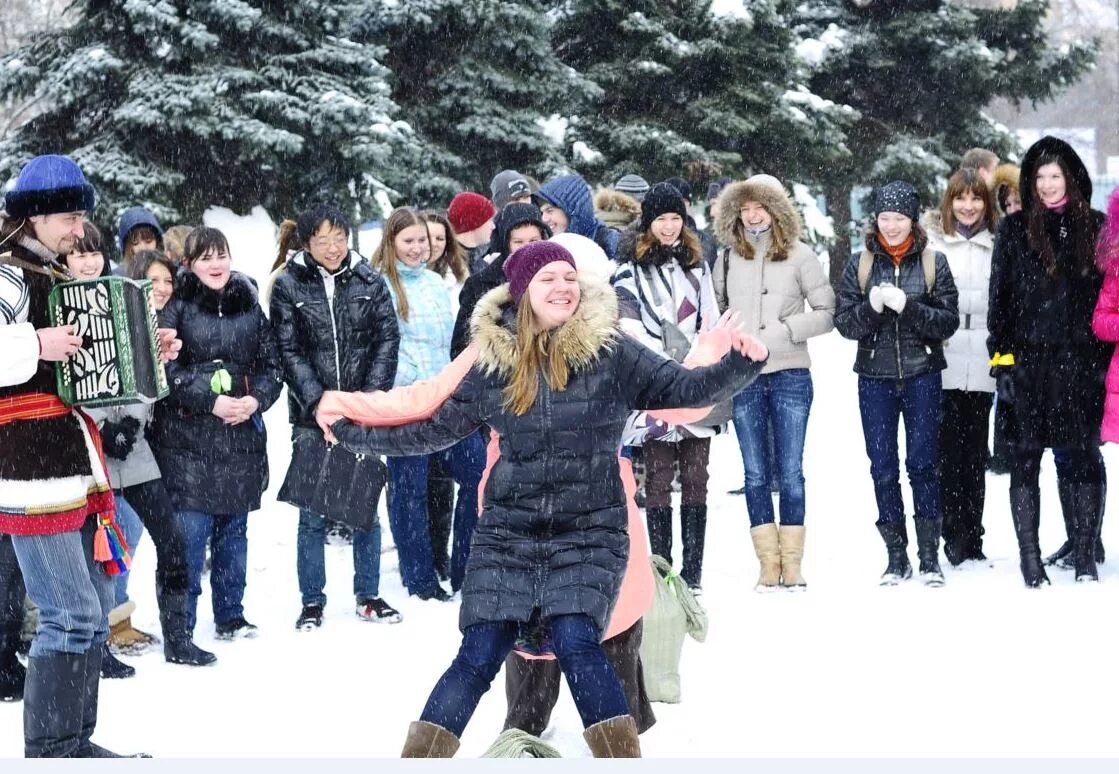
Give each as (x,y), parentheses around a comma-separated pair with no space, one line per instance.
(119,359)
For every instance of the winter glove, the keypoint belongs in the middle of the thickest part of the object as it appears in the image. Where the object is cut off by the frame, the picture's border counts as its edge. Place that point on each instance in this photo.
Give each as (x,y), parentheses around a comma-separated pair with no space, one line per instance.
(894,297)
(118,438)
(875,298)
(1004,384)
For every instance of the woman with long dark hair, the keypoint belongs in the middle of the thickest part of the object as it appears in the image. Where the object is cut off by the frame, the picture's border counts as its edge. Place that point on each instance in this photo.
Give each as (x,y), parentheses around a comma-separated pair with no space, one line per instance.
(1049,366)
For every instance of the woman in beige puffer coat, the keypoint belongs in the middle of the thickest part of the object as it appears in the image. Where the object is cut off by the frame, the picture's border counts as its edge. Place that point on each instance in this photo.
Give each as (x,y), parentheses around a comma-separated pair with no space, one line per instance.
(778,286)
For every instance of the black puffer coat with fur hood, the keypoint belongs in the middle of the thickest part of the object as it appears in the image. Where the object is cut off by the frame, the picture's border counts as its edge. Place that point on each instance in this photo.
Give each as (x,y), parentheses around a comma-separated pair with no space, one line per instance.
(551,538)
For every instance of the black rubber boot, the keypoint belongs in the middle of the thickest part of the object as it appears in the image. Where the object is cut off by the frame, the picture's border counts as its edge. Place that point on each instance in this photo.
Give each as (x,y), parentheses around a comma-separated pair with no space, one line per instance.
(91,693)
(13,675)
(1087,525)
(178,644)
(112,668)
(659,521)
(928,547)
(1025,510)
(1062,557)
(693,534)
(53,703)
(897,542)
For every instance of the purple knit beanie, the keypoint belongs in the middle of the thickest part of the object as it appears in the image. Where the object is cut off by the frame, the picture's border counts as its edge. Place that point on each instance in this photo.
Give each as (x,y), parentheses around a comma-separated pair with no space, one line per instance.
(521,266)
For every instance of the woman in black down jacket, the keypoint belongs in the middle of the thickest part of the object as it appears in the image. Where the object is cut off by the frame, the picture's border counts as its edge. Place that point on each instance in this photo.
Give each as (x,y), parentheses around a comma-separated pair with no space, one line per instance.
(556,381)
(898,299)
(1049,366)
(209,434)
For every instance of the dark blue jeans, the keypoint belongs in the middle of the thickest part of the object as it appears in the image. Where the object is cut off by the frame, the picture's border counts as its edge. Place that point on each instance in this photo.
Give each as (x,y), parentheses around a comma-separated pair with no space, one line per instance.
(779,403)
(229,546)
(310,559)
(408,512)
(882,402)
(591,679)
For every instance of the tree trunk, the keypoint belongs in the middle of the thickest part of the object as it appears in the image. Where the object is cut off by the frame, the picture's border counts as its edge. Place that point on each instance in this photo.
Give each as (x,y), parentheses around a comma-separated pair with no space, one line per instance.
(838,199)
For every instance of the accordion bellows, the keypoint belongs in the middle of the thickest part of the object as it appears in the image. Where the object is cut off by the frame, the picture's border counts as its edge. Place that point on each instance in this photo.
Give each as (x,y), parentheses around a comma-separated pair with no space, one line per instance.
(119,361)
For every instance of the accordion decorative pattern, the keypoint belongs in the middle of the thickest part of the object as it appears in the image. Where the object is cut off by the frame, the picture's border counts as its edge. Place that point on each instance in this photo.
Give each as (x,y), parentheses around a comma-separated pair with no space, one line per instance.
(119,361)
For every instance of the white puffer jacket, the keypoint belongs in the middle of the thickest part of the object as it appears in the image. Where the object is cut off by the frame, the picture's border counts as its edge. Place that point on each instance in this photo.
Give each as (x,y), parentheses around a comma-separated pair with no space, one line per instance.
(970,262)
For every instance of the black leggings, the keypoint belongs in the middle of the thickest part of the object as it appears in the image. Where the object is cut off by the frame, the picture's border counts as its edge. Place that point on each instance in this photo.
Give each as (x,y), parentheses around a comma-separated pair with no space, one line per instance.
(153,505)
(1079,466)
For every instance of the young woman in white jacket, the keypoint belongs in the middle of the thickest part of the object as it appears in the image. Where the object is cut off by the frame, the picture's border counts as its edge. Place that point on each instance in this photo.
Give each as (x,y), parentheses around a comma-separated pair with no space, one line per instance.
(963,229)
(778,287)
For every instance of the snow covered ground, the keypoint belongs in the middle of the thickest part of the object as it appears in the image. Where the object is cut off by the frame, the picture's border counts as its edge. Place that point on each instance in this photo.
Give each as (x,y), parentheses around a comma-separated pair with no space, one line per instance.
(982,667)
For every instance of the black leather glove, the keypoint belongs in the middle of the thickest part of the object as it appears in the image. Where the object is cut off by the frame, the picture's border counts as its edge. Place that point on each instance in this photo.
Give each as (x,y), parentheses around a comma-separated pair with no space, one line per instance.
(1004,383)
(118,438)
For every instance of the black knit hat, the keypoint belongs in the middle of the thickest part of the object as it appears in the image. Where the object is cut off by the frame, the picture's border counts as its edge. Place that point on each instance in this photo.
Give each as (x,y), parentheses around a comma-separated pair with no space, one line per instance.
(662,198)
(899,197)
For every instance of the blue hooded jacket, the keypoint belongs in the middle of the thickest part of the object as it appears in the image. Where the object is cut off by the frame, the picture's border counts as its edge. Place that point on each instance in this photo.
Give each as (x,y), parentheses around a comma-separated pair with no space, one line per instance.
(572,195)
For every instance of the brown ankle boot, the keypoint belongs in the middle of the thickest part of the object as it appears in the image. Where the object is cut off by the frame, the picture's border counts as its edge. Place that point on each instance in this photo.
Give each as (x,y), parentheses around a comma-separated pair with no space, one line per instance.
(792,551)
(614,738)
(767,545)
(427,740)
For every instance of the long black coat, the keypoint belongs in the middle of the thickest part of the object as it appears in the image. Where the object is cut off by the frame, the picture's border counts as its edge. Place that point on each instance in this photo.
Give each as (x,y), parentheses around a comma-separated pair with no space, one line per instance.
(552,535)
(892,345)
(1046,323)
(208,465)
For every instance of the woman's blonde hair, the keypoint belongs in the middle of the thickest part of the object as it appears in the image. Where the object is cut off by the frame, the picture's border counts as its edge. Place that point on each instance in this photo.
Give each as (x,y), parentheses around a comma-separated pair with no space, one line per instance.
(384,258)
(535,354)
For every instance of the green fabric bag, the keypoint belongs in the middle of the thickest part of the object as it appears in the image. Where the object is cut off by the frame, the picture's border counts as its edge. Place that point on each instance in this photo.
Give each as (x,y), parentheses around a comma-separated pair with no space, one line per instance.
(675,612)
(515,743)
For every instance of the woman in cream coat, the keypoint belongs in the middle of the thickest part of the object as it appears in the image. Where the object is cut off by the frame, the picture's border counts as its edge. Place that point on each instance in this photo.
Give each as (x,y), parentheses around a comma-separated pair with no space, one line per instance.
(776,283)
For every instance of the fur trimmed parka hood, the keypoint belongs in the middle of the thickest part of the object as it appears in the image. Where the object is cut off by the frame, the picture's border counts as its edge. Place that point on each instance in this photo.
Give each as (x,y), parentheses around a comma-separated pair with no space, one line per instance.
(779,205)
(616,209)
(592,327)
(237,297)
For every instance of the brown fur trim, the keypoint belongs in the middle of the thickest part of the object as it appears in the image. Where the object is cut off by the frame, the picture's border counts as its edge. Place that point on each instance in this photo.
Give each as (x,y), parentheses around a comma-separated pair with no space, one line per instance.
(1008,175)
(779,205)
(615,208)
(930,221)
(593,327)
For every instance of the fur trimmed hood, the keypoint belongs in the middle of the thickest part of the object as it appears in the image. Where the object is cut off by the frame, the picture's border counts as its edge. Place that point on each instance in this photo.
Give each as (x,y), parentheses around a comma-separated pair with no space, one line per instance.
(615,208)
(779,205)
(930,221)
(581,339)
(237,297)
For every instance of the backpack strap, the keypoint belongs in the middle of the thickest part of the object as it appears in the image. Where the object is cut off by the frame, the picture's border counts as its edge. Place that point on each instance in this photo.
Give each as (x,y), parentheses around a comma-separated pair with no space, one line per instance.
(866,263)
(928,263)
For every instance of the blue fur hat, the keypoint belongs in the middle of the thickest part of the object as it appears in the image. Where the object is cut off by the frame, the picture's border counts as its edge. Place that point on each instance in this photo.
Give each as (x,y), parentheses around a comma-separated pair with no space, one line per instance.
(48,185)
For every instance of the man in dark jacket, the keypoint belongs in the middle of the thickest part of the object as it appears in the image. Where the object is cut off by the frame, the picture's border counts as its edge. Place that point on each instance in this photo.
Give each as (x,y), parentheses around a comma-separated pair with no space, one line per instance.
(566,205)
(515,226)
(336,328)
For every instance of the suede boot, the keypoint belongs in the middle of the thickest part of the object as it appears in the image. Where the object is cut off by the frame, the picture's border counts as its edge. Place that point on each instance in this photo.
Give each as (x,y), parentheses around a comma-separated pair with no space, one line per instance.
(123,637)
(896,538)
(53,705)
(928,548)
(427,740)
(1025,510)
(767,545)
(614,738)
(693,534)
(792,552)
